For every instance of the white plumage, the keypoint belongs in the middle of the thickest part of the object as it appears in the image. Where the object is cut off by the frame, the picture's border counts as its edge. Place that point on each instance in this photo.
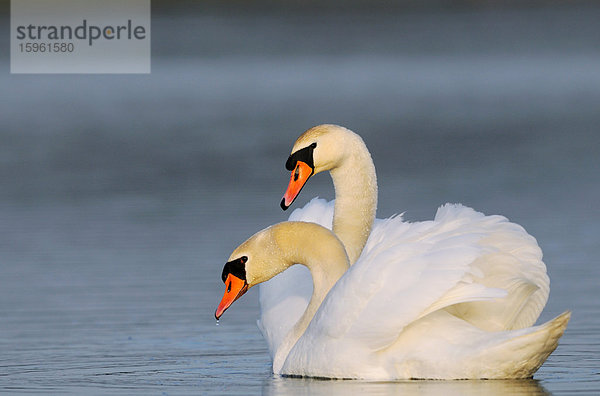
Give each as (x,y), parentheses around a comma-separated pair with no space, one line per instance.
(450,298)
(420,302)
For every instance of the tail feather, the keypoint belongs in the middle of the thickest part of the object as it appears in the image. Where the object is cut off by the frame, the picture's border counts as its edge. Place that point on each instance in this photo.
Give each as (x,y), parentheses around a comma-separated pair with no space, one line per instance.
(521,356)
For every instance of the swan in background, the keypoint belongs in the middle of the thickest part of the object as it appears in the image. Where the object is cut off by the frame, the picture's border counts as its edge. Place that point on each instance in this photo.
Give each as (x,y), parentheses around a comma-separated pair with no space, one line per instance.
(387,316)
(344,154)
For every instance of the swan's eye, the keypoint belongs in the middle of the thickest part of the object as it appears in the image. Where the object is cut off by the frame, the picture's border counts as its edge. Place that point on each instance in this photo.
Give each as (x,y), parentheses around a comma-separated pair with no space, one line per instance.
(236,268)
(305,155)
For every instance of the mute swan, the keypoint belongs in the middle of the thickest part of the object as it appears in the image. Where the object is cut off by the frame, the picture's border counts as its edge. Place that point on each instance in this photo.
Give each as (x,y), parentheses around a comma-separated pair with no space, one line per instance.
(384,317)
(492,279)
(511,259)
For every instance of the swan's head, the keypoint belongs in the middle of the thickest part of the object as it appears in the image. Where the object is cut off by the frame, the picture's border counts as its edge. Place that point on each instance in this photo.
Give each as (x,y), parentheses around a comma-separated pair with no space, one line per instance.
(276,248)
(319,149)
(254,261)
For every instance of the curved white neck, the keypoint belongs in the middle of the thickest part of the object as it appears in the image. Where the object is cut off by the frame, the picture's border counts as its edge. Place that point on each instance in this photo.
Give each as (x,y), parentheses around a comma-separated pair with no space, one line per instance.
(322,253)
(355,185)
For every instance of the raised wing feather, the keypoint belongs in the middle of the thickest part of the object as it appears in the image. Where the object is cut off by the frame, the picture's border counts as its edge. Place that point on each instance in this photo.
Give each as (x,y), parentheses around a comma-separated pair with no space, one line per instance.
(408,270)
(482,269)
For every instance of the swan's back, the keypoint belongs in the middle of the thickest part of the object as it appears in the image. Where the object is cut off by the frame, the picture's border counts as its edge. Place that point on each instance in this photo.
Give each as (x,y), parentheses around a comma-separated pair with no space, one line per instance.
(512,261)
(483,271)
(461,262)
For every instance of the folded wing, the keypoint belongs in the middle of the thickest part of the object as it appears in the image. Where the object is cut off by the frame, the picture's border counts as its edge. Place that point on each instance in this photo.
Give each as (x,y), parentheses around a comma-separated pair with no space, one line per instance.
(482,269)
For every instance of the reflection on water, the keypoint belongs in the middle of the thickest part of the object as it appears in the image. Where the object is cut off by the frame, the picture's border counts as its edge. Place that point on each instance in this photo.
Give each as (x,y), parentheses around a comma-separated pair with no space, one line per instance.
(293,386)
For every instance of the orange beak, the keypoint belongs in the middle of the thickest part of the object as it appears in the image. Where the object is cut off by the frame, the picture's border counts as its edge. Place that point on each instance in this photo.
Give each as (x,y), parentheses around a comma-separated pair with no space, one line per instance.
(297,180)
(235,288)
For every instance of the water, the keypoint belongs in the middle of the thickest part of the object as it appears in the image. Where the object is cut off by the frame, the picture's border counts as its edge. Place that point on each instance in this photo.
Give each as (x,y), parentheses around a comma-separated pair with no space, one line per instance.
(122,196)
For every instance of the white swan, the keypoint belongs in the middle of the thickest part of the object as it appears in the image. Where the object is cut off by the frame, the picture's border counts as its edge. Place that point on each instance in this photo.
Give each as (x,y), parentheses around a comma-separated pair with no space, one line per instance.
(447,289)
(377,320)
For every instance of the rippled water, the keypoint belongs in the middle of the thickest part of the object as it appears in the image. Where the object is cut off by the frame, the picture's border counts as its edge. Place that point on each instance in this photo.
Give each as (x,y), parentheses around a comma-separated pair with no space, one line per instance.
(122,196)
